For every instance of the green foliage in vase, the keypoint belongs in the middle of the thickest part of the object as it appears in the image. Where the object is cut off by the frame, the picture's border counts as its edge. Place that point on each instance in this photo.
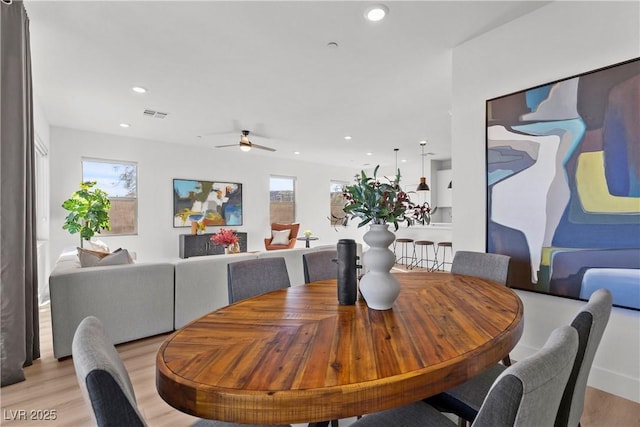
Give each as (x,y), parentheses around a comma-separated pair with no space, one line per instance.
(88,211)
(382,203)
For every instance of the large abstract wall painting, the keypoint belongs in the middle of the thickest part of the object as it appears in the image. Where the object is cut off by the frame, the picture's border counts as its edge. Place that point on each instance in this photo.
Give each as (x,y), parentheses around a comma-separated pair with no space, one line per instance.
(563,177)
(208,202)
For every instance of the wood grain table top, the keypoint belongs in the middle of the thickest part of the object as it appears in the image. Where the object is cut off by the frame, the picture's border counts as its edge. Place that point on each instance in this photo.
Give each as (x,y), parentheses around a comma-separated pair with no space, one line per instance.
(296,355)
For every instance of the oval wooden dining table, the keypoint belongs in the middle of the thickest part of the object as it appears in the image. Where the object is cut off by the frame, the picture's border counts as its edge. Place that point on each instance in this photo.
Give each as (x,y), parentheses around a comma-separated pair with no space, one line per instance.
(297,356)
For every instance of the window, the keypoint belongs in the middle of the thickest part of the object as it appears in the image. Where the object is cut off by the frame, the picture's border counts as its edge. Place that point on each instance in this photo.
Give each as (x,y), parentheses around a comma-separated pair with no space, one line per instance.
(120,181)
(282,199)
(337,202)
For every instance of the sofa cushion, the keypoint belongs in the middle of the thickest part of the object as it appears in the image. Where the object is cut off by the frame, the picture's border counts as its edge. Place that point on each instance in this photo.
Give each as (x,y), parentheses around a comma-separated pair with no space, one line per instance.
(201,285)
(280,237)
(133,301)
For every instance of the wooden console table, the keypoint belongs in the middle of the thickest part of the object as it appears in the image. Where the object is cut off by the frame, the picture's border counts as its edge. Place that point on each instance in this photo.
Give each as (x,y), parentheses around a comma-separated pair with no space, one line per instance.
(200,244)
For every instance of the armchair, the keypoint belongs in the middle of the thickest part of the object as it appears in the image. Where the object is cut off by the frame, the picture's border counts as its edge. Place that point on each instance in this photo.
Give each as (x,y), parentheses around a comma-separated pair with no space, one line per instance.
(293,234)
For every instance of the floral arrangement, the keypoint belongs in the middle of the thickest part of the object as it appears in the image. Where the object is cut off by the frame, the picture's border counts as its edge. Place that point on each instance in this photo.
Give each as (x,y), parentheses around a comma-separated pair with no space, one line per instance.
(307,233)
(383,203)
(225,237)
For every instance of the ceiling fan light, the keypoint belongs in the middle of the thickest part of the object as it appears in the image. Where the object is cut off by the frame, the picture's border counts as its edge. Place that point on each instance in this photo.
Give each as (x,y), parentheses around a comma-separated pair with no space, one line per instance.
(245,146)
(423,184)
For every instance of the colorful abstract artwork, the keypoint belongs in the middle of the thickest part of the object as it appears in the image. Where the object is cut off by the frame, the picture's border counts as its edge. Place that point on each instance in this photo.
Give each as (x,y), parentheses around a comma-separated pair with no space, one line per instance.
(563,184)
(206,202)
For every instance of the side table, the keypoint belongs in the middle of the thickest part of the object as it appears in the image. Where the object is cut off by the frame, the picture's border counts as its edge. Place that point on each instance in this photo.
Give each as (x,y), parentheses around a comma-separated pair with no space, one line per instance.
(307,239)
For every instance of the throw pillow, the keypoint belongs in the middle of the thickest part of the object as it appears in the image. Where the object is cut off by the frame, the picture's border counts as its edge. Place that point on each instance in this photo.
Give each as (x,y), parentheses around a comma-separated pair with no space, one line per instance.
(90,258)
(119,257)
(99,245)
(130,255)
(280,237)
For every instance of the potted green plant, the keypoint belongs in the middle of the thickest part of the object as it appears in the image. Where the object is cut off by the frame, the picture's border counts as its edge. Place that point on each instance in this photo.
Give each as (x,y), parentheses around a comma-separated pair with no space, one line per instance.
(88,211)
(382,203)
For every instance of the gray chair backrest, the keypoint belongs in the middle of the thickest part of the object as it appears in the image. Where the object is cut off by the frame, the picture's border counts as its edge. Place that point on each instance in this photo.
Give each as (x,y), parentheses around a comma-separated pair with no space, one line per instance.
(528,393)
(493,267)
(320,265)
(103,379)
(590,322)
(252,277)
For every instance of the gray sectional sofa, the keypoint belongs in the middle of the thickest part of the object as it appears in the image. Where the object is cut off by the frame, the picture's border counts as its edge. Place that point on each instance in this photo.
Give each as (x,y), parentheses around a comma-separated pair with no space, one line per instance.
(147,298)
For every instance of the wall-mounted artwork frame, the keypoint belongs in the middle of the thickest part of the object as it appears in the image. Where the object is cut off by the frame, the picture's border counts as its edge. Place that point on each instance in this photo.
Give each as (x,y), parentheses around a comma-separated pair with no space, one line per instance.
(563,184)
(211,202)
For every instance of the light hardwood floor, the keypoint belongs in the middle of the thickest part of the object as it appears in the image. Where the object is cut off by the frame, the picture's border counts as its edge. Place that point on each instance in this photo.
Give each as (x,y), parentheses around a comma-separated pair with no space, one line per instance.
(51,389)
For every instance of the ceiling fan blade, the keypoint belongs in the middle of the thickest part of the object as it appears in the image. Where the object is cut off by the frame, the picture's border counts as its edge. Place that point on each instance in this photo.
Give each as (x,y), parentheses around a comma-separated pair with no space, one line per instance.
(262,147)
(228,145)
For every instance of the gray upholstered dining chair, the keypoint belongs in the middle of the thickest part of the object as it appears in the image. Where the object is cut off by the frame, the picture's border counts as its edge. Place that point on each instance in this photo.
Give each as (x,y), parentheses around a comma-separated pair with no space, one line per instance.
(494,267)
(487,266)
(526,394)
(590,322)
(246,279)
(320,265)
(105,383)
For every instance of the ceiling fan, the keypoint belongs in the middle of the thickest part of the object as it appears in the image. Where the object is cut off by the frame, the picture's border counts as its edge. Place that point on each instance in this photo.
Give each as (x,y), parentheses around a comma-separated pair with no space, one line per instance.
(245,144)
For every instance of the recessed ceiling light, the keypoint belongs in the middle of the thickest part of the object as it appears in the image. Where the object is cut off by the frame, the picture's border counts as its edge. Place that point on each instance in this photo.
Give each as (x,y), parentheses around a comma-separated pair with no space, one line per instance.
(125,125)
(369,154)
(376,12)
(296,152)
(332,45)
(139,89)
(347,137)
(404,160)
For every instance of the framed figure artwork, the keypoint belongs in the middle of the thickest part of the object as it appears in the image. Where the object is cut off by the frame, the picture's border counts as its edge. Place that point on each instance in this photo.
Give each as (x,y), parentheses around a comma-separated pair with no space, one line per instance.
(563,184)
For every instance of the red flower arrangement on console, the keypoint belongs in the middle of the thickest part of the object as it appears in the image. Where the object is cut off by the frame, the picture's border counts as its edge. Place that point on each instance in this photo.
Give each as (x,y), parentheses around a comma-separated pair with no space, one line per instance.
(225,237)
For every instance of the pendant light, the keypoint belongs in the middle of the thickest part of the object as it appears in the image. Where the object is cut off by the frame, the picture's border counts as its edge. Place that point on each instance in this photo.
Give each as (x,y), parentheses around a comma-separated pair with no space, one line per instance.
(423,181)
(395,171)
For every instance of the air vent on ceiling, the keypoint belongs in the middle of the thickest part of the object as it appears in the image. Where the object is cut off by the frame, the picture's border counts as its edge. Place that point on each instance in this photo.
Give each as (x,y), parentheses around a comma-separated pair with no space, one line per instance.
(155,114)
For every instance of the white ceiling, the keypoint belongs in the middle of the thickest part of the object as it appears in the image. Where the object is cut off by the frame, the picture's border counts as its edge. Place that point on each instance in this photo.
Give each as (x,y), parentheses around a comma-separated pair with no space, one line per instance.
(219,67)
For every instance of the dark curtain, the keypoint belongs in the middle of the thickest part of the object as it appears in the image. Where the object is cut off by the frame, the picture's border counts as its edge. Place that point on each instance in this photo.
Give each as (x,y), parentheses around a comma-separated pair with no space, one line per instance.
(19,339)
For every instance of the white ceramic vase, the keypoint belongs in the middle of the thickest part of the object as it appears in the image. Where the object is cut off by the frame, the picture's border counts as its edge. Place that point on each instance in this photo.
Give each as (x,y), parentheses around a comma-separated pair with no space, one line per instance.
(378,286)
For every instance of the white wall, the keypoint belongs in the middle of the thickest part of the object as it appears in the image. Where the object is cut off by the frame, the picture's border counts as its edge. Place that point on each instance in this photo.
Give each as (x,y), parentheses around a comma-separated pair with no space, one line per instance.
(158,163)
(557,41)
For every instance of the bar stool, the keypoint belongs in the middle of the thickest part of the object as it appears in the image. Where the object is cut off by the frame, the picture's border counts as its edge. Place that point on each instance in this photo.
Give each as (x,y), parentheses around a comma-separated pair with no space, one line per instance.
(404,251)
(442,262)
(424,254)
